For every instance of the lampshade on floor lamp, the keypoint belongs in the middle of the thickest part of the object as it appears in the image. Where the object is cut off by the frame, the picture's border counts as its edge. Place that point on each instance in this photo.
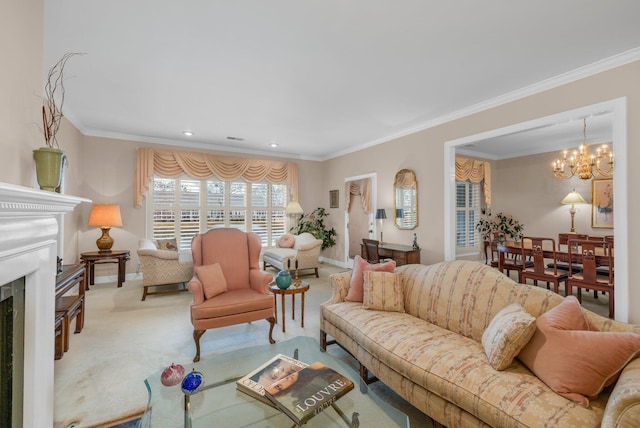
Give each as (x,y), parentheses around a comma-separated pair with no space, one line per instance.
(573,198)
(381,214)
(105,216)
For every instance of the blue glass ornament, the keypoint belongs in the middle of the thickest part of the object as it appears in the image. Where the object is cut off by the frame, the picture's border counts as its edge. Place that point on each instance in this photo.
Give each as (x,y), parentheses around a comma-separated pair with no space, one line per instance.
(192,383)
(283,279)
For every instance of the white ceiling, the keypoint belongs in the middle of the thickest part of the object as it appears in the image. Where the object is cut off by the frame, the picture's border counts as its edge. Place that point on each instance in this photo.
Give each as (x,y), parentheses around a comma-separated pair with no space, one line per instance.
(318,77)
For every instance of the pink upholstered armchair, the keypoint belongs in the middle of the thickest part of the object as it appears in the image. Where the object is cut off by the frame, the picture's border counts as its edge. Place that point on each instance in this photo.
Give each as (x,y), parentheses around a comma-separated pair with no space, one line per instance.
(228,286)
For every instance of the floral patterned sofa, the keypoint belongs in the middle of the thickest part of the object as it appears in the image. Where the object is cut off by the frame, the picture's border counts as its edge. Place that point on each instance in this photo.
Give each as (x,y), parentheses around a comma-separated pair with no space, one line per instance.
(432,352)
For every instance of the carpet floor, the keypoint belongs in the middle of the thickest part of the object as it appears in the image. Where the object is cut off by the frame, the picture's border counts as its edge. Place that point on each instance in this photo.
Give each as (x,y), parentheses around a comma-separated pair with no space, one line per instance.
(99,382)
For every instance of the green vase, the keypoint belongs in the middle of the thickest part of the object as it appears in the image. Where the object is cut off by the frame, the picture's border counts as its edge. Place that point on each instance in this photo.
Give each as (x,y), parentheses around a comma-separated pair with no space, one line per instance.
(49,167)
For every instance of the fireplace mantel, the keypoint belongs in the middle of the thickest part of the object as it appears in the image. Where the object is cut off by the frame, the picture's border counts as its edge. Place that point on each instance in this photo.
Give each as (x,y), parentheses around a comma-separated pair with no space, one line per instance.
(30,240)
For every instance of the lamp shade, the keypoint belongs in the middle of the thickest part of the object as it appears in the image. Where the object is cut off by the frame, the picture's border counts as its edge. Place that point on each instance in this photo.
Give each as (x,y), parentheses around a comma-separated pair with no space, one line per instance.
(105,215)
(573,198)
(381,214)
(293,208)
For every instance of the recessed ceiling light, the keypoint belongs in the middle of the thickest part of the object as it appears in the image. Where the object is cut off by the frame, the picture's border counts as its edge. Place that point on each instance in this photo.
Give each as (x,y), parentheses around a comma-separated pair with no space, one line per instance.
(273,145)
(188,133)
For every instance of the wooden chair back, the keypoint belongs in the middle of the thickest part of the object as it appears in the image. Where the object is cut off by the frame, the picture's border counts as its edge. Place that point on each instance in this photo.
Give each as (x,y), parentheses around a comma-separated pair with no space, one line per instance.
(371,250)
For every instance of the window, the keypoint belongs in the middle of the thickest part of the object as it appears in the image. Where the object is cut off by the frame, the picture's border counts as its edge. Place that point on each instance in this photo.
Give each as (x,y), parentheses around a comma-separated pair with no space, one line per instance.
(183,207)
(467,214)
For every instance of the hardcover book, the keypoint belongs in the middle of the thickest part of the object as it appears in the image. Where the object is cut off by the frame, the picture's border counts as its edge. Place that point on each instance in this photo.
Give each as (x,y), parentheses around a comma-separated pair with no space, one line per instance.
(270,372)
(307,392)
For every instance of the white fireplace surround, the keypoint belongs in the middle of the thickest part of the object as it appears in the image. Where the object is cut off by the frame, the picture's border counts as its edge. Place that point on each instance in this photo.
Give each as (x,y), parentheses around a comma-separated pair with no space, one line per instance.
(30,240)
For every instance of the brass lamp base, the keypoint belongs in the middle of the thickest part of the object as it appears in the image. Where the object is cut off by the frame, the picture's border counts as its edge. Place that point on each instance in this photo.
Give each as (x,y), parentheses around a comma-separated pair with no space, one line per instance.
(105,242)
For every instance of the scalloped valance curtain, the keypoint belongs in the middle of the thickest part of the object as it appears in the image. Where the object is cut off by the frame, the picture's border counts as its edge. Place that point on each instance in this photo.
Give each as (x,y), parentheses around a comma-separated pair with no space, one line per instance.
(475,171)
(169,163)
(359,187)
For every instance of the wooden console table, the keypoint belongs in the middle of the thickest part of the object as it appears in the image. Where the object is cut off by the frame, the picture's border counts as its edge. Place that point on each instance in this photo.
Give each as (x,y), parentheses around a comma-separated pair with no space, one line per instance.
(402,254)
(92,258)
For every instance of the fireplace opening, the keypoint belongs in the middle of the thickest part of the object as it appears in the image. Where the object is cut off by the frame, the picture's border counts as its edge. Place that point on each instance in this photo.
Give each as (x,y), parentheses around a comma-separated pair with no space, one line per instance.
(12,308)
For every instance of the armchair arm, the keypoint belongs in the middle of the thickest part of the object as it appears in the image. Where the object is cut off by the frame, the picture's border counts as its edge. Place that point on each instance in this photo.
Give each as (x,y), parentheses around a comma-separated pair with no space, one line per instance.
(195,286)
(161,254)
(259,280)
(340,283)
(623,406)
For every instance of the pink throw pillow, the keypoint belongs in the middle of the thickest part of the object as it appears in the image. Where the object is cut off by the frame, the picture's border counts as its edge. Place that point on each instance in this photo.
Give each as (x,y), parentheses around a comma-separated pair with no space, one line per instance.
(574,361)
(212,279)
(286,241)
(360,265)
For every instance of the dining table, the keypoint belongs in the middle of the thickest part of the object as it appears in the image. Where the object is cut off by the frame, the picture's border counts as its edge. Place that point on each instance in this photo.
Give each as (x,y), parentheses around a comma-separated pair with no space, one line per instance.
(561,253)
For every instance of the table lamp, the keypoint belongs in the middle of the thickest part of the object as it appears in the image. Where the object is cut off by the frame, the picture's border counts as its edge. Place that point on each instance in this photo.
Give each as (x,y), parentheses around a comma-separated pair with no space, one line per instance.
(573,198)
(381,214)
(105,216)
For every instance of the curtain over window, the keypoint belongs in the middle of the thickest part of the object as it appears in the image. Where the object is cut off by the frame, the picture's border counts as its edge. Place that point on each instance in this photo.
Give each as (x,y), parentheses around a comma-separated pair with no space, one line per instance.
(475,171)
(171,163)
(358,187)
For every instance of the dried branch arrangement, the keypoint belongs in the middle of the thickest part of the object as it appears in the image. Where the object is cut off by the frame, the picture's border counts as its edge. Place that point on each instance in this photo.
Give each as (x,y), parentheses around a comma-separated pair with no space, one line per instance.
(52,114)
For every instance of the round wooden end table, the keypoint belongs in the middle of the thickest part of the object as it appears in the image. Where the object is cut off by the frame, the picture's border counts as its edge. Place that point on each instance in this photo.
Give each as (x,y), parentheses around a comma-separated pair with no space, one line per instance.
(302,288)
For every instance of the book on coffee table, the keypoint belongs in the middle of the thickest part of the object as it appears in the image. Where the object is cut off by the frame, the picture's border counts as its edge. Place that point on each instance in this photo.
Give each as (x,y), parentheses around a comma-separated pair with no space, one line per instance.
(267,374)
(307,392)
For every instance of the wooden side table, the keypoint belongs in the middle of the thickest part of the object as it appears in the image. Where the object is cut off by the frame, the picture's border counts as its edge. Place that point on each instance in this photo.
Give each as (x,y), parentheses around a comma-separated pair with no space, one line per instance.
(92,258)
(292,290)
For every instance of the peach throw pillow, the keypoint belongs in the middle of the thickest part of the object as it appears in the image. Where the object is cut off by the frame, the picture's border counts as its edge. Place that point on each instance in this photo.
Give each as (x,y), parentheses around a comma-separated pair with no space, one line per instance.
(383,291)
(360,265)
(212,279)
(574,361)
(287,240)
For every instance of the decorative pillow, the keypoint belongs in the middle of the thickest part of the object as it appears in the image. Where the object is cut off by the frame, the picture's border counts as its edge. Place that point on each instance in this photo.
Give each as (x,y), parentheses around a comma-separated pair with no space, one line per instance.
(508,332)
(212,279)
(360,265)
(575,362)
(383,291)
(167,244)
(286,241)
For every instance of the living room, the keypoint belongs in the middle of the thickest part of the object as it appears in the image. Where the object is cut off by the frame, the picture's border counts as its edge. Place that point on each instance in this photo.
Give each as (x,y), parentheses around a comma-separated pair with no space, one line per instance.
(102,169)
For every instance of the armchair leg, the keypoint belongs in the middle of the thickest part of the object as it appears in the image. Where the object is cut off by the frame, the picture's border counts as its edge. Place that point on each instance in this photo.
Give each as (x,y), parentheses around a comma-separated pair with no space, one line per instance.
(272,323)
(317,276)
(197,334)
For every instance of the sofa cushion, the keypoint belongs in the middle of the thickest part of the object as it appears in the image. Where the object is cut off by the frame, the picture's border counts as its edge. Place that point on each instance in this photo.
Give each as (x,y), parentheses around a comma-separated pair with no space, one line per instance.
(212,279)
(306,241)
(572,360)
(287,240)
(508,332)
(383,291)
(360,265)
(167,244)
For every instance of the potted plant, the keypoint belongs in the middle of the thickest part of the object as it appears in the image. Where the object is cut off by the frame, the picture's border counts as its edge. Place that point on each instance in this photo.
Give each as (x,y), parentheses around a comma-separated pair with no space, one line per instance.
(50,160)
(313,223)
(504,223)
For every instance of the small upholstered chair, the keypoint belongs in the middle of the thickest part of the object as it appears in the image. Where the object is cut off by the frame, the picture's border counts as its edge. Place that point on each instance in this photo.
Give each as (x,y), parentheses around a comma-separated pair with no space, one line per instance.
(162,267)
(228,286)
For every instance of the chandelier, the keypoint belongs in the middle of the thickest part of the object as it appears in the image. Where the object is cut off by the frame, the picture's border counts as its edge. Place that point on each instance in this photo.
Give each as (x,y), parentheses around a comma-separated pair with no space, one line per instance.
(583,162)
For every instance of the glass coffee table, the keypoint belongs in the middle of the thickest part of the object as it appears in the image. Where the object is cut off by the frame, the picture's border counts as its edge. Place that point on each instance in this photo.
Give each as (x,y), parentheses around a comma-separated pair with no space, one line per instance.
(221,404)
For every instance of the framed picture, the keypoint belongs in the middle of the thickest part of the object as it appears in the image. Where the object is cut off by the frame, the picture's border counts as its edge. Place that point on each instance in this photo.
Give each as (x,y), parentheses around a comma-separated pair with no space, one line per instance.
(333,199)
(602,203)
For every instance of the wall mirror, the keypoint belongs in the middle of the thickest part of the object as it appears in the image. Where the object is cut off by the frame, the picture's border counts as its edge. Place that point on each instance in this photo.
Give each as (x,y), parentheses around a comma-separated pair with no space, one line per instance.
(405,187)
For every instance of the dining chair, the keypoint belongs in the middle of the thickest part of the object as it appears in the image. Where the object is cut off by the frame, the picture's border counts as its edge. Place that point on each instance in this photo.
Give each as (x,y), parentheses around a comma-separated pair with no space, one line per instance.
(510,261)
(563,239)
(371,250)
(591,254)
(540,271)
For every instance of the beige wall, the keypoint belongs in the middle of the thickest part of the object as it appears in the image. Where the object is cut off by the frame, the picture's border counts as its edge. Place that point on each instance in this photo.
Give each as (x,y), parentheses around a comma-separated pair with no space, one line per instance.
(423,152)
(102,169)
